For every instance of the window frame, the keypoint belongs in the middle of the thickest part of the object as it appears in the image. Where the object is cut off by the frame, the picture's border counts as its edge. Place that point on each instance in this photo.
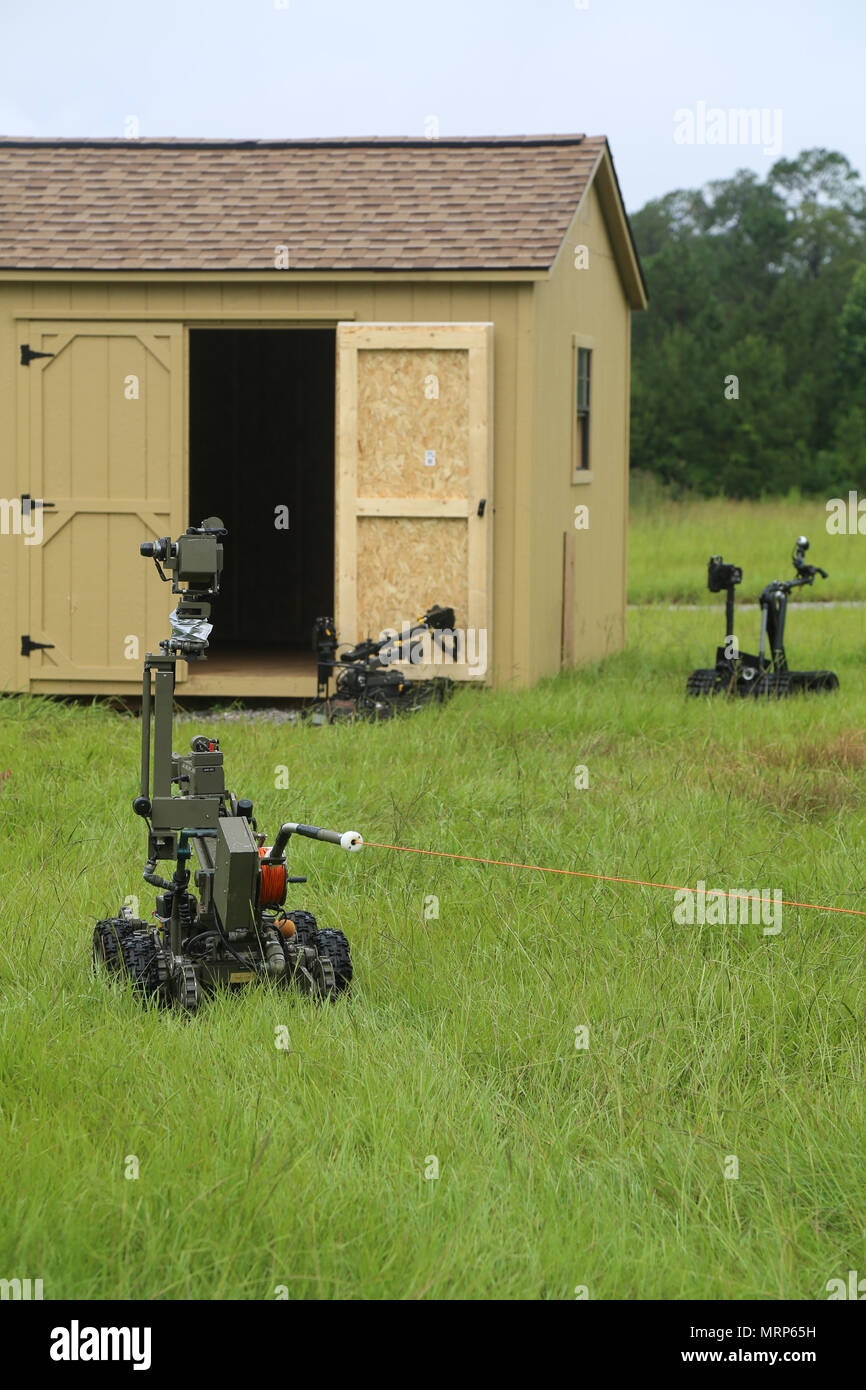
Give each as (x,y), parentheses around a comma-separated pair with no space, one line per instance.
(579,472)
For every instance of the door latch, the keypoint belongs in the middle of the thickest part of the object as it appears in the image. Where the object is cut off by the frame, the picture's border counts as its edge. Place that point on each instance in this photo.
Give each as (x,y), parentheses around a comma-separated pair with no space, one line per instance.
(28,503)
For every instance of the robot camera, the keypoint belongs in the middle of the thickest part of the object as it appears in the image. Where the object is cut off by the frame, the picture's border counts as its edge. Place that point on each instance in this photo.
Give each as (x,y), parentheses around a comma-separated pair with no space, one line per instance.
(721,576)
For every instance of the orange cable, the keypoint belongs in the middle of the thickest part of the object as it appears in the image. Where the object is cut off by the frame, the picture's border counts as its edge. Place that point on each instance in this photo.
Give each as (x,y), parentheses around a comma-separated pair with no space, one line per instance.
(273,880)
(609,878)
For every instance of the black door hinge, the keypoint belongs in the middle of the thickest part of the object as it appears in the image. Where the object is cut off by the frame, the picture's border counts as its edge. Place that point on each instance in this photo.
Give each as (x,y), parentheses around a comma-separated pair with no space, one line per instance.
(481,505)
(28,503)
(28,354)
(28,646)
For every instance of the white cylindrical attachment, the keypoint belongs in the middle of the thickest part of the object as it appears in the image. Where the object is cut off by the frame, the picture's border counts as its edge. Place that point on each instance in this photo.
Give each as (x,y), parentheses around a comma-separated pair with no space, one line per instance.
(351,840)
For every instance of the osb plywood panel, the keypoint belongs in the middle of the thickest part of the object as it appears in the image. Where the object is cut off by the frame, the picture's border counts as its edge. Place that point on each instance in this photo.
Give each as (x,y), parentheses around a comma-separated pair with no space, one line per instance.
(412,401)
(405,564)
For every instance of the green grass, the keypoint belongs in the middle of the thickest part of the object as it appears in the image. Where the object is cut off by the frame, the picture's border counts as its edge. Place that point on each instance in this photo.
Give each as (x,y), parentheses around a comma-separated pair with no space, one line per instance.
(558,1167)
(670,543)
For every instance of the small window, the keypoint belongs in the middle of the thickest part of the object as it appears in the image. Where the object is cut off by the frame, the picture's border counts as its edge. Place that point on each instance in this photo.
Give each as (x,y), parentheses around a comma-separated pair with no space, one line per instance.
(584,374)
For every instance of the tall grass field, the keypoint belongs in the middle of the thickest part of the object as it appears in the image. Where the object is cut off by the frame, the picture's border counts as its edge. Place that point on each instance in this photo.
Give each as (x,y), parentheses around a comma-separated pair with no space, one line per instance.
(540,1084)
(670,543)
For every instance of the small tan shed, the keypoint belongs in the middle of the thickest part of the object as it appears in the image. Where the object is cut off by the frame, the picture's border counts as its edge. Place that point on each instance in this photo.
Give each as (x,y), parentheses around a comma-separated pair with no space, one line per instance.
(398,369)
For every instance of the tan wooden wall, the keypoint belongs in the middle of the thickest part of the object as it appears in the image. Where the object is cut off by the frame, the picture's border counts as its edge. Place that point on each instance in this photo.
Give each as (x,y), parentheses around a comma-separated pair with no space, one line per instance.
(10,486)
(533,495)
(590,302)
(507,305)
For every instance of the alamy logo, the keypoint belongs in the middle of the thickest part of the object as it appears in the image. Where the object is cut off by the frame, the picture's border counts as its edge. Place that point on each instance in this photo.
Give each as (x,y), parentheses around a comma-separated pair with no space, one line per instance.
(856,1288)
(846,518)
(440,647)
(20,1288)
(719,907)
(76,1343)
(22,519)
(738,125)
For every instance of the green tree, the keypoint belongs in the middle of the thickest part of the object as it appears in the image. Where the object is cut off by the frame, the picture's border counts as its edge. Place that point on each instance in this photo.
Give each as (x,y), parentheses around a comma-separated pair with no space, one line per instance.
(762,280)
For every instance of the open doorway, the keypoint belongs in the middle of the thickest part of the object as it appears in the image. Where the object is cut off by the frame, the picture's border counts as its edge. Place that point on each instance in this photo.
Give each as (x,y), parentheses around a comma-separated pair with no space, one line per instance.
(261,437)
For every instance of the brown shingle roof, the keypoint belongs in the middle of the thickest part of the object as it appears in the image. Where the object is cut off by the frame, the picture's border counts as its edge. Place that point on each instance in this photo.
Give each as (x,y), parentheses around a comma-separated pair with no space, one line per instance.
(498,203)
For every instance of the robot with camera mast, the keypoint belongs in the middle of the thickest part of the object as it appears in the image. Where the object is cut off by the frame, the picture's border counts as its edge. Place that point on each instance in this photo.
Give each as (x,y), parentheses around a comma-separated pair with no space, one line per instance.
(236,930)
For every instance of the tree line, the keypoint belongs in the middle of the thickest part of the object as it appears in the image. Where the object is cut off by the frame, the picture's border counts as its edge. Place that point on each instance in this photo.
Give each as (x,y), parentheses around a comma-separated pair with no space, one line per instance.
(749,366)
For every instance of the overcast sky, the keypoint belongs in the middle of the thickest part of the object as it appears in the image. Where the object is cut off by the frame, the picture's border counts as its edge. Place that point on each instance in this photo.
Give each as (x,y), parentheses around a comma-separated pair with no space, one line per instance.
(291,68)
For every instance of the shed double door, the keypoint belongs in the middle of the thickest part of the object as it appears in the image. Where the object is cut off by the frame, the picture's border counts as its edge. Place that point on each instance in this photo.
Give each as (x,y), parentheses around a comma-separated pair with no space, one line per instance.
(101,440)
(414,482)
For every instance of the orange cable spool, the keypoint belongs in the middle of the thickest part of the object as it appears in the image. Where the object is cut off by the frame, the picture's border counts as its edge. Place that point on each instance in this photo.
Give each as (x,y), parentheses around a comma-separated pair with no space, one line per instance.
(273,880)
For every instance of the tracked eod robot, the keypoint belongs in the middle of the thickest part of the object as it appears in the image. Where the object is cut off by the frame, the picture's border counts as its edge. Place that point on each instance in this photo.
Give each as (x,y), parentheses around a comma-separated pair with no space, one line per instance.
(236,930)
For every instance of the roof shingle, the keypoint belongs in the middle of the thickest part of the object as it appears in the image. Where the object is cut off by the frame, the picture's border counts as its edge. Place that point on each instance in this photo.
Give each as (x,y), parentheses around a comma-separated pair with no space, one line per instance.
(497,203)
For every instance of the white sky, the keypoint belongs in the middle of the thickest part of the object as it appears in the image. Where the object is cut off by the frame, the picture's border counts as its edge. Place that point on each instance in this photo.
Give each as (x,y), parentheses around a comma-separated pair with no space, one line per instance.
(290,68)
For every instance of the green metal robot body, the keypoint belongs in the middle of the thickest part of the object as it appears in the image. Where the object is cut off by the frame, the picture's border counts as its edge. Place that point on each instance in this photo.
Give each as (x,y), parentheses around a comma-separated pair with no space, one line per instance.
(236,930)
